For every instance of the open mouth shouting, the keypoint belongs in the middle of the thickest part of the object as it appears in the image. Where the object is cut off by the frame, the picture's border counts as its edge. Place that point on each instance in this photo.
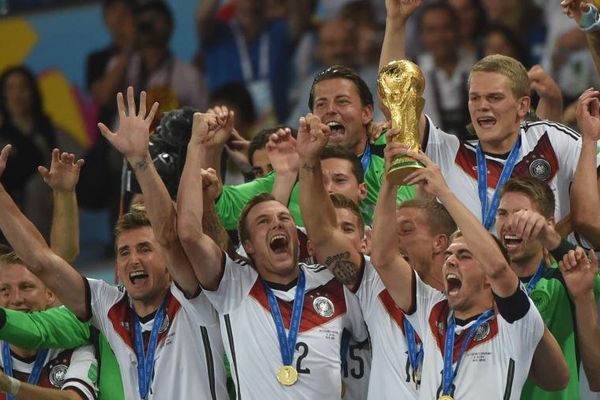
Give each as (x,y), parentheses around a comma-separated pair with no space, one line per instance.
(138,277)
(453,284)
(511,242)
(279,244)
(337,130)
(486,122)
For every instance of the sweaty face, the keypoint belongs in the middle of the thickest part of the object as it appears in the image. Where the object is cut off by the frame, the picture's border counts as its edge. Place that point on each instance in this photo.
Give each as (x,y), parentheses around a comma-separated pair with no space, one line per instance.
(141,265)
(415,240)
(339,178)
(337,103)
(273,241)
(495,112)
(439,34)
(464,280)
(21,290)
(518,250)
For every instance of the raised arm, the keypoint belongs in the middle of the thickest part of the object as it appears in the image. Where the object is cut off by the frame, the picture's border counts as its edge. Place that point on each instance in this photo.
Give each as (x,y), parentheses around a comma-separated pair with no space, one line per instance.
(332,248)
(132,140)
(211,224)
(396,274)
(62,177)
(550,106)
(204,254)
(282,153)
(394,39)
(30,246)
(503,280)
(581,274)
(585,191)
(582,13)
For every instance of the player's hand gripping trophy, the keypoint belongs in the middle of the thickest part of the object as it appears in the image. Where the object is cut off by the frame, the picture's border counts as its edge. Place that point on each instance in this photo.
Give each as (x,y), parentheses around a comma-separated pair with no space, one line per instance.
(401,84)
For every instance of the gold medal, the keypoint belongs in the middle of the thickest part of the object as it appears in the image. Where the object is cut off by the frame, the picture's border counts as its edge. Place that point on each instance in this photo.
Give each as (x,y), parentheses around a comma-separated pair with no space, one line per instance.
(287,375)
(446,397)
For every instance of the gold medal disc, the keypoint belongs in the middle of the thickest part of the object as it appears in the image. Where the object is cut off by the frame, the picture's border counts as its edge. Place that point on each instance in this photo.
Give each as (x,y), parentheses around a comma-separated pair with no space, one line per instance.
(287,375)
(446,397)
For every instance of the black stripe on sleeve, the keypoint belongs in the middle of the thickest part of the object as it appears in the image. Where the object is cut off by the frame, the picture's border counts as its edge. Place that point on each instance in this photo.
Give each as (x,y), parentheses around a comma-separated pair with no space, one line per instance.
(233,360)
(88,300)
(210,363)
(71,384)
(513,307)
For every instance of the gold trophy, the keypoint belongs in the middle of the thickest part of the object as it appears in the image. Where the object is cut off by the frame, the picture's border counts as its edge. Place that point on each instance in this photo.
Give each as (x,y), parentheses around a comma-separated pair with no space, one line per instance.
(401,84)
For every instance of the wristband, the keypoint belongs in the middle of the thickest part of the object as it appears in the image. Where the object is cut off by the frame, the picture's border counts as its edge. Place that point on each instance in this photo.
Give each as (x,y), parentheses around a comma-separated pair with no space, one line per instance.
(562,249)
(589,20)
(15,385)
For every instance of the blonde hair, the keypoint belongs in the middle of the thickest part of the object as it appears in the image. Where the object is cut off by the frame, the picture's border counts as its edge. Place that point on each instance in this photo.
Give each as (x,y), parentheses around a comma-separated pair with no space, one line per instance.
(507,66)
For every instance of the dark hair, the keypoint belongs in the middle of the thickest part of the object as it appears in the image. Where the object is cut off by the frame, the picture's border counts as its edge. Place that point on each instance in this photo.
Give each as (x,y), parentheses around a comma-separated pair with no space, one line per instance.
(236,93)
(243,232)
(159,7)
(135,218)
(438,218)
(438,6)
(345,154)
(538,192)
(261,139)
(36,105)
(341,201)
(341,72)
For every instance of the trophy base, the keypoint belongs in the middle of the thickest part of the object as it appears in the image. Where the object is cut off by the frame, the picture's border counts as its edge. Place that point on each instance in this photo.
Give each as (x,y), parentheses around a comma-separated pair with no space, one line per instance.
(401,168)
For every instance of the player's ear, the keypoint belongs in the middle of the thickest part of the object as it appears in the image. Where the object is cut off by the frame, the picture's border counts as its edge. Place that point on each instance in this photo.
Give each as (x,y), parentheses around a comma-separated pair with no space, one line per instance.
(248,247)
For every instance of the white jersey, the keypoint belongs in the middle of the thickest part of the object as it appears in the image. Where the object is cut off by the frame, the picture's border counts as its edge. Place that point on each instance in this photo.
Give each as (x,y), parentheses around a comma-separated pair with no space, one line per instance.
(75,370)
(391,372)
(496,362)
(189,354)
(356,367)
(251,339)
(549,151)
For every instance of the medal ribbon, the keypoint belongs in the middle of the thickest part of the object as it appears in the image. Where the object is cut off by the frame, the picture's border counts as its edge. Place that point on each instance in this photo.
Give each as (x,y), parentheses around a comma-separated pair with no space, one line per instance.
(287,343)
(448,373)
(145,360)
(535,278)
(488,215)
(365,159)
(36,372)
(415,351)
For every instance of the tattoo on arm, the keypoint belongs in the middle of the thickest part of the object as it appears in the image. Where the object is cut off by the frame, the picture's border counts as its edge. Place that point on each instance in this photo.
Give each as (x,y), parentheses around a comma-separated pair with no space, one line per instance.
(308,167)
(141,165)
(342,268)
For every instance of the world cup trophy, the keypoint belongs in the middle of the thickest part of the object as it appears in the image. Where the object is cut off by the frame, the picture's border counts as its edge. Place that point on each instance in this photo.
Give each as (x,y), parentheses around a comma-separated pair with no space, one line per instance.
(401,84)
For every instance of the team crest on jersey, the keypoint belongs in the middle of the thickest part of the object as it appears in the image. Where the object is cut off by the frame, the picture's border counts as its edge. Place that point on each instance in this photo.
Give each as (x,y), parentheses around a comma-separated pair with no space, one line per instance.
(165,324)
(323,306)
(57,375)
(540,299)
(540,169)
(482,332)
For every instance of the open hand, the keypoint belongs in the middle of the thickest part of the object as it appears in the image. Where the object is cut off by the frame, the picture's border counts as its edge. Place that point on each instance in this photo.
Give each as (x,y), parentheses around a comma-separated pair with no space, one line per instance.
(133,135)
(588,114)
(282,153)
(401,9)
(64,171)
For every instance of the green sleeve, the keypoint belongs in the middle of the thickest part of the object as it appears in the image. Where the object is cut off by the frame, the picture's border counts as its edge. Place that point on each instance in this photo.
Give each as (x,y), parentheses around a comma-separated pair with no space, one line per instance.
(234,197)
(597,287)
(54,328)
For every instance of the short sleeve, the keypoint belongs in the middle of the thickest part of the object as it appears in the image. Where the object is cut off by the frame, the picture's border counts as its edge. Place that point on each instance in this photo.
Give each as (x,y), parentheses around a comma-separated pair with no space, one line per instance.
(529,329)
(238,278)
(82,374)
(102,297)
(354,320)
(425,298)
(199,307)
(440,146)
(369,287)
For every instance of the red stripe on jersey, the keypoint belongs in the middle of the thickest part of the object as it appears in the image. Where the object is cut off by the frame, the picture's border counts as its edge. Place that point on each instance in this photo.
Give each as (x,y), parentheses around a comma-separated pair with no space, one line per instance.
(540,163)
(390,306)
(121,318)
(332,290)
(545,169)
(438,325)
(61,362)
